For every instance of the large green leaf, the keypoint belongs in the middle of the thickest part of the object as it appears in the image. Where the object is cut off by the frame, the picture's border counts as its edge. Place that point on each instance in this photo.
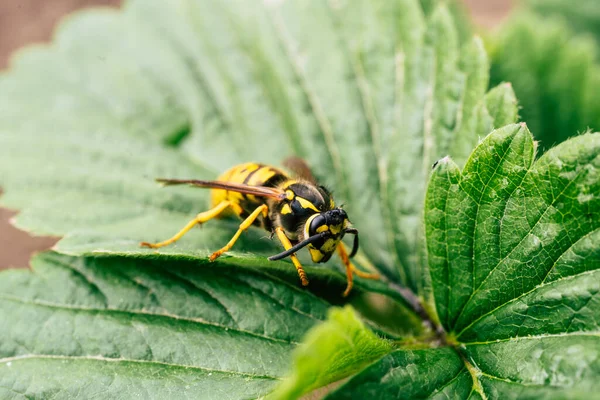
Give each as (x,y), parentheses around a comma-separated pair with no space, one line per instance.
(513,249)
(111,327)
(512,224)
(370,93)
(514,256)
(554,72)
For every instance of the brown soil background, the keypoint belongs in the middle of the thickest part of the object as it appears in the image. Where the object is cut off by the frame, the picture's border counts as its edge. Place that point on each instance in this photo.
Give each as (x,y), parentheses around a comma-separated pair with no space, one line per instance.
(32,21)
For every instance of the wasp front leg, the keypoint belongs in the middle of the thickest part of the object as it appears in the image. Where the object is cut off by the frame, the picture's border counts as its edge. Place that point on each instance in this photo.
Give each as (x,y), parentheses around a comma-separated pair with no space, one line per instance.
(351,269)
(247,223)
(288,245)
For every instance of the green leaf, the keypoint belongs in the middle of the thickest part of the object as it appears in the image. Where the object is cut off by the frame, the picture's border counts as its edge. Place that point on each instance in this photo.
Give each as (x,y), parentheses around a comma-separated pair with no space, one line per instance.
(410,374)
(79,327)
(459,12)
(554,72)
(537,370)
(371,94)
(501,103)
(535,214)
(329,353)
(582,17)
(514,257)
(188,89)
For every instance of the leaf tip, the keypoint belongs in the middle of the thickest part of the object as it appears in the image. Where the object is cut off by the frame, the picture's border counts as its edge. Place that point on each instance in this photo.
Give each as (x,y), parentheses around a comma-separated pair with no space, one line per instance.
(478,42)
(443,164)
(440,161)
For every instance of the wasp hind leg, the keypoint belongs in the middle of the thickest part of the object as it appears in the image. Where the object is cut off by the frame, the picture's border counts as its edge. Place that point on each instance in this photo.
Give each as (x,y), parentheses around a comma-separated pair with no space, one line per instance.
(200,219)
(288,245)
(351,269)
(247,223)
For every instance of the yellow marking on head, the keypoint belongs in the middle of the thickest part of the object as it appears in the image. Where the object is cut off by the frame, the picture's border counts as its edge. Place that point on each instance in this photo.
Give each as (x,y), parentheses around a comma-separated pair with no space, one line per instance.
(289,195)
(322,228)
(307,224)
(306,204)
(286,209)
(335,229)
(329,246)
(315,254)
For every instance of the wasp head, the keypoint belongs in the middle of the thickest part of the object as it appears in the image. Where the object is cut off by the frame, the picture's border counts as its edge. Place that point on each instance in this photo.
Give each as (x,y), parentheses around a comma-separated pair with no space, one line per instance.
(322,233)
(329,227)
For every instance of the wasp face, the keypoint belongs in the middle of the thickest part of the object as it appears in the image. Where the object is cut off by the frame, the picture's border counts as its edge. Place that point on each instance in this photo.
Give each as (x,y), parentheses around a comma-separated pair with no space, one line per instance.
(334,222)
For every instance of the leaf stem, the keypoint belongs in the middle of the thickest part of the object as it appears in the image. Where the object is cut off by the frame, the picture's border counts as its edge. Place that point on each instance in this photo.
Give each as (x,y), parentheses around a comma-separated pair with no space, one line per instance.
(415,303)
(412,300)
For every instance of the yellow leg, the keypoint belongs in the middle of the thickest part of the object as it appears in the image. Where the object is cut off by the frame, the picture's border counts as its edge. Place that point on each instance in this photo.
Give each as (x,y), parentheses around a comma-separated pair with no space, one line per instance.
(351,269)
(200,219)
(247,223)
(287,245)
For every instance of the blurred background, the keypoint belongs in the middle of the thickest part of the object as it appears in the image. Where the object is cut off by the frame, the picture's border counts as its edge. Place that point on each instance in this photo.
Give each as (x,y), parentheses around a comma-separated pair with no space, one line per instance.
(32,21)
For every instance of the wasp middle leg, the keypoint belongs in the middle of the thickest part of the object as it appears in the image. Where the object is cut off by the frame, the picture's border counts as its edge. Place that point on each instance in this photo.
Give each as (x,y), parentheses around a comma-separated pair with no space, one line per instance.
(247,223)
(199,219)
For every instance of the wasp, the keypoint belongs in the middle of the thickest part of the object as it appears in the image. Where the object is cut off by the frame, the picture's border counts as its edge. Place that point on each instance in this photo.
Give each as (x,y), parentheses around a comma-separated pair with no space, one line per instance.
(299,211)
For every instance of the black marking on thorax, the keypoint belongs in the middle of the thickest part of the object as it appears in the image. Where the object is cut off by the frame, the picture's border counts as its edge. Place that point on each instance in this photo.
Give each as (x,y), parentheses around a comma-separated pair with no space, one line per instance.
(308,200)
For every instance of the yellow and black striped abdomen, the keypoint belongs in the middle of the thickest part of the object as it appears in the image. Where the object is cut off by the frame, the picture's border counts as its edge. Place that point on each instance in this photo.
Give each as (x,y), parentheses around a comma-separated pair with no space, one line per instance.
(252,174)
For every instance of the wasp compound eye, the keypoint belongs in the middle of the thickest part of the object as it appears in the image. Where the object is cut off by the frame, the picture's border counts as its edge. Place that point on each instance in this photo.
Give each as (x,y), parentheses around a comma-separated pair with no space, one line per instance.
(315,224)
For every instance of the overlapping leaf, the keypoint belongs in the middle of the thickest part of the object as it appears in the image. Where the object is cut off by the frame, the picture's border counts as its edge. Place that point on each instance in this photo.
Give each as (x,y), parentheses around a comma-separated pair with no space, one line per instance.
(514,258)
(514,255)
(513,225)
(329,352)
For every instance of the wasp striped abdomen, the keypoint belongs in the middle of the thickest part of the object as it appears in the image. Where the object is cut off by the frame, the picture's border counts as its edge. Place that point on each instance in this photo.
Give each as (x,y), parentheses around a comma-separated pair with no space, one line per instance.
(250,174)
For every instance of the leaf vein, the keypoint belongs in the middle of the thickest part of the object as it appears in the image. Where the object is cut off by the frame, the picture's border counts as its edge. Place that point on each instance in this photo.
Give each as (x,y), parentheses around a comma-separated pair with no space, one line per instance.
(315,105)
(523,295)
(520,241)
(126,360)
(141,313)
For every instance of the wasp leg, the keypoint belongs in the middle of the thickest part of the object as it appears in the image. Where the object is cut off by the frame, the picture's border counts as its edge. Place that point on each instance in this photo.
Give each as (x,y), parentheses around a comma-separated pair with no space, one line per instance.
(247,223)
(351,269)
(288,245)
(200,219)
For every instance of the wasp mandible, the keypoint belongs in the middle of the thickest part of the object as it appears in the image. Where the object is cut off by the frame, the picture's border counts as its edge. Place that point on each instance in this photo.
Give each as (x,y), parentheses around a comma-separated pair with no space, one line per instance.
(299,211)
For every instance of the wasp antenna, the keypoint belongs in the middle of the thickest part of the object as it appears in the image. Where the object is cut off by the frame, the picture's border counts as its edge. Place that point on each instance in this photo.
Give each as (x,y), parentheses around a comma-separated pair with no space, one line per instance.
(298,246)
(354,232)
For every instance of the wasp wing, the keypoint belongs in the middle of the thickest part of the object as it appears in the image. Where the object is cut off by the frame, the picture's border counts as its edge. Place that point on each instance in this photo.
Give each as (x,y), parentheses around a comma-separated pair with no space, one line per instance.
(262,191)
(299,168)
